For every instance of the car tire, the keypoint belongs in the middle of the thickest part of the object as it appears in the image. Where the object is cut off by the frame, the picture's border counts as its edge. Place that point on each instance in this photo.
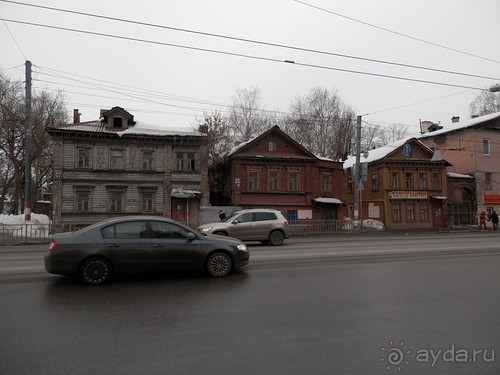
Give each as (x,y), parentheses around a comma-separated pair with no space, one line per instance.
(276,238)
(219,264)
(95,271)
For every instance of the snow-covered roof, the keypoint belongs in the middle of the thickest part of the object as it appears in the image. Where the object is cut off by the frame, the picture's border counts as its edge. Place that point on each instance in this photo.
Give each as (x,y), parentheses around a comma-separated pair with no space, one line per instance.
(376,154)
(454,126)
(139,128)
(327,200)
(458,175)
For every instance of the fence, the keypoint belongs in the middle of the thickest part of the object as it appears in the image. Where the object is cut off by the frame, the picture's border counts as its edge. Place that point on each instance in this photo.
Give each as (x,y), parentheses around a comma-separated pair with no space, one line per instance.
(24,233)
(306,227)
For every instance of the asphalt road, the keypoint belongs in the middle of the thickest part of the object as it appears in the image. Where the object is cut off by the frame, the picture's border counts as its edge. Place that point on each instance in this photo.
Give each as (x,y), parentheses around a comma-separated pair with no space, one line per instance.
(366,305)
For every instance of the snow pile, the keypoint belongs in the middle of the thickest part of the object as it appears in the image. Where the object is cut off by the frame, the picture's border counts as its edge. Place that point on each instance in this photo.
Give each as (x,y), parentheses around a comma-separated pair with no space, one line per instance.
(19,219)
(373,224)
(15,227)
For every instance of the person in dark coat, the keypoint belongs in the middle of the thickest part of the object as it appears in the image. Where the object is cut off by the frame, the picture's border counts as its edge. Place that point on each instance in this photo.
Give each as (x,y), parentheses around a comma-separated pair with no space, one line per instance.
(494,220)
(222,215)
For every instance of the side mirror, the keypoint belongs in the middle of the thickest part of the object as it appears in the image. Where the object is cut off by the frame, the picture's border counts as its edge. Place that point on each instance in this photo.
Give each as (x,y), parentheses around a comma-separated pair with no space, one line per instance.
(191,236)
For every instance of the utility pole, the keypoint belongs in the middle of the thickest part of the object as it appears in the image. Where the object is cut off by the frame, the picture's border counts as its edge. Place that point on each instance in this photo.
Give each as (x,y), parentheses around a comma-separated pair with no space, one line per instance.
(357,177)
(27,145)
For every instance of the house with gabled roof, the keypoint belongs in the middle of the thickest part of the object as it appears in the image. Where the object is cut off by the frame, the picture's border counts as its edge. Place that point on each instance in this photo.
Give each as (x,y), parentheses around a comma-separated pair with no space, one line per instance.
(274,171)
(473,148)
(403,185)
(117,166)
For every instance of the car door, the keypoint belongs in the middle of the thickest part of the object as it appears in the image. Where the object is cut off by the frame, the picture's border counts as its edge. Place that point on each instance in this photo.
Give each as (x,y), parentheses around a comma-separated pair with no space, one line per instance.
(173,247)
(128,245)
(242,227)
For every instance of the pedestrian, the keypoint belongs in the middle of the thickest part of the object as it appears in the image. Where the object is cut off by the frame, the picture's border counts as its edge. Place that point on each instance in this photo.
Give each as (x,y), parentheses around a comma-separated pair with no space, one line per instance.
(494,220)
(222,215)
(482,220)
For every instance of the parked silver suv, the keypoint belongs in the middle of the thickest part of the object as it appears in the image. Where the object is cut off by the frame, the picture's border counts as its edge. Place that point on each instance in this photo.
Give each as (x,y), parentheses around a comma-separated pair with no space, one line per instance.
(259,224)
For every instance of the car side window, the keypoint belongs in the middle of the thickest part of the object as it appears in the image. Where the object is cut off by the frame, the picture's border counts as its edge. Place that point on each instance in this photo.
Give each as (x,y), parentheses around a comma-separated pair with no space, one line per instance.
(263,216)
(168,230)
(245,218)
(127,230)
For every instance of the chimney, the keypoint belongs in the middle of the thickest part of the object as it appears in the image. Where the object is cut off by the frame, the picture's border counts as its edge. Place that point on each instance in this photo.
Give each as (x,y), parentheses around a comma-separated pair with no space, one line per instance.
(76,116)
(455,119)
(203,129)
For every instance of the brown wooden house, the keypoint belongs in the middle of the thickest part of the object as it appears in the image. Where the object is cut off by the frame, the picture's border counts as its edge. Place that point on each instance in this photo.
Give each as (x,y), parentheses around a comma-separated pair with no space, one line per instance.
(404,185)
(274,171)
(116,166)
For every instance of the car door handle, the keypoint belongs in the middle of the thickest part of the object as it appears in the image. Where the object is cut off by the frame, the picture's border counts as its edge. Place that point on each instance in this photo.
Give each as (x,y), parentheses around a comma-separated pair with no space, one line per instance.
(158,245)
(113,245)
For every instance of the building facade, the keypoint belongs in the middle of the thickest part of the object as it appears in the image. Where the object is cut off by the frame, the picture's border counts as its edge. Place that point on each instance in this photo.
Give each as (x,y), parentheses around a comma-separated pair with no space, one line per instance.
(473,148)
(404,185)
(116,166)
(274,171)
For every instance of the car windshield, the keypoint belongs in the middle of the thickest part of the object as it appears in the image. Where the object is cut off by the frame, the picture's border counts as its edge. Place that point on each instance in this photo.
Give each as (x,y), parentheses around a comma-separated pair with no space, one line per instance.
(230,217)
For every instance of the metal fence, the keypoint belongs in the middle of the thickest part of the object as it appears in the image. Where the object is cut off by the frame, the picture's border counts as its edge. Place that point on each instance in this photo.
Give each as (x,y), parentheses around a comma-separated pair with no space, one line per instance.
(24,233)
(306,227)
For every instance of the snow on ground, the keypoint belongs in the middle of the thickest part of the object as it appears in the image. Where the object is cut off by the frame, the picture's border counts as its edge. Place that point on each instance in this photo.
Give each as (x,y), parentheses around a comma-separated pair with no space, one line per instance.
(19,219)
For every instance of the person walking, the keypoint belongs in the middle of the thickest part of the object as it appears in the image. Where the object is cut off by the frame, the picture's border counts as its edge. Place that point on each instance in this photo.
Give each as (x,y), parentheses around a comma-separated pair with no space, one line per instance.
(494,220)
(482,220)
(222,215)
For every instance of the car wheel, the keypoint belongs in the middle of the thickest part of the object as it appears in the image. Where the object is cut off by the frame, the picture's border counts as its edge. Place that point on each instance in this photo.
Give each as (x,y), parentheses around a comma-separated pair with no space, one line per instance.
(95,271)
(219,264)
(276,238)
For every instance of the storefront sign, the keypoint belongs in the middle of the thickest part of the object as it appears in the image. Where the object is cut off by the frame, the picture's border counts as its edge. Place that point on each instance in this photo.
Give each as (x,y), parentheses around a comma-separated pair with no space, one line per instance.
(408,195)
(491,199)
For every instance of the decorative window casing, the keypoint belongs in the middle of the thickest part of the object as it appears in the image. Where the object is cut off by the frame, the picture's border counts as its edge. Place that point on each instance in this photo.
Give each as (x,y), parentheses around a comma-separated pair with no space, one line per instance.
(293,181)
(409,180)
(147,197)
(395,180)
(422,180)
(185,162)
(253,179)
(374,181)
(396,211)
(273,180)
(84,157)
(410,212)
(487,181)
(83,199)
(486,147)
(424,211)
(326,183)
(436,180)
(147,160)
(117,159)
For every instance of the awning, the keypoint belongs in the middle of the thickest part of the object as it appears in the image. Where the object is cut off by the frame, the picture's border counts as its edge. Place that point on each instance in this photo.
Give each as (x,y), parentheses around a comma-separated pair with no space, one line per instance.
(327,200)
(439,197)
(182,193)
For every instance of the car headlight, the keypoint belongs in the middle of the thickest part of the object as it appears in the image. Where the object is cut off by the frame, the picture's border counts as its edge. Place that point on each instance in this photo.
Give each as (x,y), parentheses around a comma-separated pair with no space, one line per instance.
(206,229)
(242,247)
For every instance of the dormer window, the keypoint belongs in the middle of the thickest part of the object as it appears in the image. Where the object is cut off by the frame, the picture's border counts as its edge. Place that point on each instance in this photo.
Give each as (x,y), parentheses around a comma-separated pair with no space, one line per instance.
(117,122)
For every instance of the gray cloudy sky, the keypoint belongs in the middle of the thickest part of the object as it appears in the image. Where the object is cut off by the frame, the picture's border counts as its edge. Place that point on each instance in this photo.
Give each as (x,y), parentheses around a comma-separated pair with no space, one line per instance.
(161,81)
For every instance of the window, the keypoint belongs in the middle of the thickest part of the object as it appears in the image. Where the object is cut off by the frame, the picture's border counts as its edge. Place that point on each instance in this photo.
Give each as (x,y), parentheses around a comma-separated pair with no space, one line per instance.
(264,216)
(410,212)
(436,180)
(116,201)
(396,211)
(424,212)
(349,185)
(117,159)
(486,147)
(82,197)
(117,122)
(84,157)
(422,180)
(147,160)
(128,230)
(272,145)
(185,162)
(245,218)
(168,230)
(409,180)
(274,181)
(293,181)
(147,200)
(374,181)
(487,181)
(253,180)
(395,180)
(325,183)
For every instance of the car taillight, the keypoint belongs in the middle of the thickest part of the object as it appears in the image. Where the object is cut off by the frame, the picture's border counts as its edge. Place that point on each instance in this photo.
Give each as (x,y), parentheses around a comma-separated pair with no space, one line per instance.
(53,245)
(286,222)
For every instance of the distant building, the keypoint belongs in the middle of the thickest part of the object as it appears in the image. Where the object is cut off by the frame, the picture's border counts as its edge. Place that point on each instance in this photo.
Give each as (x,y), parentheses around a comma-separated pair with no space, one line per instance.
(274,171)
(116,166)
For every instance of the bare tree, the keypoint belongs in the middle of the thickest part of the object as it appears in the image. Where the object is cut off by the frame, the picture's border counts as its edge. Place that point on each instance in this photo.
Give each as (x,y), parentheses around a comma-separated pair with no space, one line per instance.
(246,118)
(219,145)
(485,103)
(47,110)
(322,123)
(393,133)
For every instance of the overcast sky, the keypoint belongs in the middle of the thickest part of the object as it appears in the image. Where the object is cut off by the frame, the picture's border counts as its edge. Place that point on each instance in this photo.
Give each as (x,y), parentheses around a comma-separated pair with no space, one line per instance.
(177,72)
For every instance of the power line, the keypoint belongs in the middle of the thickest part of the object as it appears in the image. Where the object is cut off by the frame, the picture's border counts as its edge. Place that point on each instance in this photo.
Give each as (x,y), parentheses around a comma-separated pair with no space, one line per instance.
(262,42)
(394,32)
(234,54)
